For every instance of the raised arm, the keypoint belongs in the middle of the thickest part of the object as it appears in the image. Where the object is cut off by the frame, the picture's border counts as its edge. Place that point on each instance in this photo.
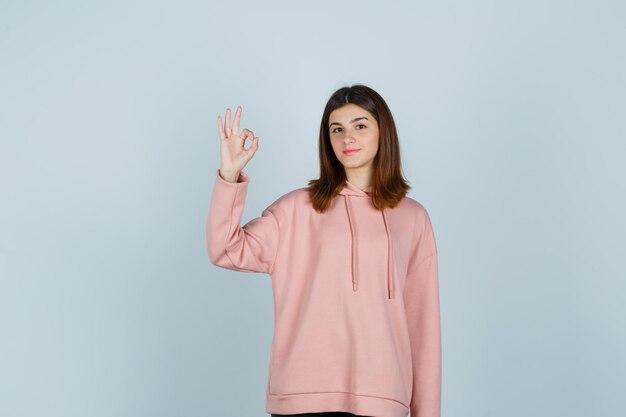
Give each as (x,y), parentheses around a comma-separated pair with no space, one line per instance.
(251,248)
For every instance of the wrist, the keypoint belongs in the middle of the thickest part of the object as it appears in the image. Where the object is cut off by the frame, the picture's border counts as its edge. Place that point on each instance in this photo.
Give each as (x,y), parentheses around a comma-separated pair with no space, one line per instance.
(229,176)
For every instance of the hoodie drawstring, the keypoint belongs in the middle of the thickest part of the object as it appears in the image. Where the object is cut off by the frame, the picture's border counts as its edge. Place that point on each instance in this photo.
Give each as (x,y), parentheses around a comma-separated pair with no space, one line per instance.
(389,256)
(355,272)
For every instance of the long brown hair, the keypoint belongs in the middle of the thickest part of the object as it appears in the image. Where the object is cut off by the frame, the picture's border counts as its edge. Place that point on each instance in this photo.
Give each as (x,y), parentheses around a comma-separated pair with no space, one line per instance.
(388,185)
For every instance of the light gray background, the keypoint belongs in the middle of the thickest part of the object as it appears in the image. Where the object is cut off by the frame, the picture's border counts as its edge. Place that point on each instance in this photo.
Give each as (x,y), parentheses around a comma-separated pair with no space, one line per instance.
(511,117)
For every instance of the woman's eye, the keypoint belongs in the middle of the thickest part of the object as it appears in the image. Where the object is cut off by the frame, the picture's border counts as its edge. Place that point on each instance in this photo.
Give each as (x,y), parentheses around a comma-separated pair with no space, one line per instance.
(335,129)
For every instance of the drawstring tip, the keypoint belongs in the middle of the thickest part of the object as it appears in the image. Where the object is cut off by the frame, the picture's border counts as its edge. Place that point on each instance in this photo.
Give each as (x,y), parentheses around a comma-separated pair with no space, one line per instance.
(354,286)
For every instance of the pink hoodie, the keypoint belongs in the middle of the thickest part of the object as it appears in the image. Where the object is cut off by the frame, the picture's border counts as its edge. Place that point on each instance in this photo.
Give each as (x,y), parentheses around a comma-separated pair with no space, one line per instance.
(356,299)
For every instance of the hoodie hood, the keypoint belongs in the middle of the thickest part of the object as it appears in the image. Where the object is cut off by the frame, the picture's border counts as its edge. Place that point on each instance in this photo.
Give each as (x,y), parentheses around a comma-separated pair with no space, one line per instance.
(349,192)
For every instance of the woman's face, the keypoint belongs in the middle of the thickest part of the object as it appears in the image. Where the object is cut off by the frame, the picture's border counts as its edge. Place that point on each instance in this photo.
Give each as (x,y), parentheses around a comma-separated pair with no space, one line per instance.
(352,127)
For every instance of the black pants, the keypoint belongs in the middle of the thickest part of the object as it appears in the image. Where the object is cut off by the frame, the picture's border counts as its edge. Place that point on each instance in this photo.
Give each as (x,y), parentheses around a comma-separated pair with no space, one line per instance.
(325,414)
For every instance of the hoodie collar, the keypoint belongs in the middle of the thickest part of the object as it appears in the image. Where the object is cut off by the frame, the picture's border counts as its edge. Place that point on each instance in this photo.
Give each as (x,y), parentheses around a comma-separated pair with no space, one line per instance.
(349,192)
(351,189)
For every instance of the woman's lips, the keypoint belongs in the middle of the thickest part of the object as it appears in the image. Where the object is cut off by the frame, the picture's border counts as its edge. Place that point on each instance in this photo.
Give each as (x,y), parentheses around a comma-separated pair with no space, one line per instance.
(351,152)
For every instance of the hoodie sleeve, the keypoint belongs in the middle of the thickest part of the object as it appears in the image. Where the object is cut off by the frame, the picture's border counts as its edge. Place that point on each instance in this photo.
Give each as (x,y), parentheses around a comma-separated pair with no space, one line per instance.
(421,299)
(251,248)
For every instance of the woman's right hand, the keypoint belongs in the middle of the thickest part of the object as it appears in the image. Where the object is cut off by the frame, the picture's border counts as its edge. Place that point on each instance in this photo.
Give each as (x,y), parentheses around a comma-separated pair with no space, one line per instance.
(234,155)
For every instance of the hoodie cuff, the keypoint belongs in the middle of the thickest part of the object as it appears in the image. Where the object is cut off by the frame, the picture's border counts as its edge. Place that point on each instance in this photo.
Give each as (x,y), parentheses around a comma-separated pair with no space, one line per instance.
(243,178)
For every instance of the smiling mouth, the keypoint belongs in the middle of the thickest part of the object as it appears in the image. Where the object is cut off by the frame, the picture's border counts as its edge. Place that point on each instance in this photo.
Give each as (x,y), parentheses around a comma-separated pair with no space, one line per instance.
(351,152)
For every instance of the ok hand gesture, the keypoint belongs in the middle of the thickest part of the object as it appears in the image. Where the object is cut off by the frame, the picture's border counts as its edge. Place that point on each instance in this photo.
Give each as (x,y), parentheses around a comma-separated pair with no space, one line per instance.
(234,156)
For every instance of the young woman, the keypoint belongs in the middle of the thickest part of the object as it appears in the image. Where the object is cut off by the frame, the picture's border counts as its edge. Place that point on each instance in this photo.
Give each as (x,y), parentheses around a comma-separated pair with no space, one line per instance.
(353,264)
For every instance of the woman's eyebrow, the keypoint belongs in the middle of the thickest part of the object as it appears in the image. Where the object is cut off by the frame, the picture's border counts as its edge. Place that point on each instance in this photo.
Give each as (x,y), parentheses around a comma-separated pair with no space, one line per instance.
(351,121)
